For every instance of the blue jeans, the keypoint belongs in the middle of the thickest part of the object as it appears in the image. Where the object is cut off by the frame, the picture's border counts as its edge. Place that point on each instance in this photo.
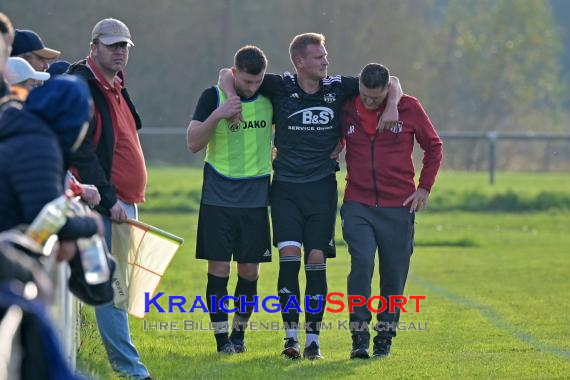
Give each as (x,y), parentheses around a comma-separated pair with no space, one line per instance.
(113,325)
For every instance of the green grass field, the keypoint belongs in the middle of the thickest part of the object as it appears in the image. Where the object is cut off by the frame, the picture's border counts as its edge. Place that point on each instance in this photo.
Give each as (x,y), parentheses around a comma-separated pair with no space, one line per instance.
(497,286)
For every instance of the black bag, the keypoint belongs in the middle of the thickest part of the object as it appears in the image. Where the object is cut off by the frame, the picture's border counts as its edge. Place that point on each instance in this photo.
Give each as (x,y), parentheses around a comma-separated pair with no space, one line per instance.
(94,295)
(19,261)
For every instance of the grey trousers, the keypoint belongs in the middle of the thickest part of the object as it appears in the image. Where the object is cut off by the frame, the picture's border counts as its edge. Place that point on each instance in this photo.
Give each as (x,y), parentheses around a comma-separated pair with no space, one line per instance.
(367,229)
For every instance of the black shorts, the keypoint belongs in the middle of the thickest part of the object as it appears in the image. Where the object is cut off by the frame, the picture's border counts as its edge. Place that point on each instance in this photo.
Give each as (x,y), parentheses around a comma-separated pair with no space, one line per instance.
(305,213)
(224,232)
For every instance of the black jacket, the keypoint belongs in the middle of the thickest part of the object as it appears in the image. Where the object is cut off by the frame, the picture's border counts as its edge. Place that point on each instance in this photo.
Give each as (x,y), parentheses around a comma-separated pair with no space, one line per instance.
(32,168)
(91,163)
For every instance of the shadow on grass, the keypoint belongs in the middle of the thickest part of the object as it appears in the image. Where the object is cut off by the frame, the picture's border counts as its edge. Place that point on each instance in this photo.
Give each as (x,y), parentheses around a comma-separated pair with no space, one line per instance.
(256,366)
(431,243)
(175,209)
(446,243)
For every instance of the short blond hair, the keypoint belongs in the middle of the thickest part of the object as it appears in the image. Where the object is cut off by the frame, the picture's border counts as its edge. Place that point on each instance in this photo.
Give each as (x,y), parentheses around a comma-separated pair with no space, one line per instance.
(298,46)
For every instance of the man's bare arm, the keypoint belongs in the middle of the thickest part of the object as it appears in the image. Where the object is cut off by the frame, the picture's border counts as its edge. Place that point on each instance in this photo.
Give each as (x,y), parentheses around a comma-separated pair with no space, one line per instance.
(227,82)
(199,133)
(390,115)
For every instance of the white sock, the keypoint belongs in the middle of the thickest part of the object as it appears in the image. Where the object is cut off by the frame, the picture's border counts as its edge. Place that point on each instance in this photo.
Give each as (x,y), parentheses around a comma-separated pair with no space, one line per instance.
(291,334)
(312,338)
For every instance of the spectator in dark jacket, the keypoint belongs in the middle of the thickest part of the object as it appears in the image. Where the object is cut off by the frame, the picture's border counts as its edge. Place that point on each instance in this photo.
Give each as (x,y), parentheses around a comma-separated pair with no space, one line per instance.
(35,146)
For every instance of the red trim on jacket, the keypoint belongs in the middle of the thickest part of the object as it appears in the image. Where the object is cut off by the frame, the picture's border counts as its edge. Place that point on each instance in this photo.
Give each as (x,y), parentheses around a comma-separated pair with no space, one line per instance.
(380,169)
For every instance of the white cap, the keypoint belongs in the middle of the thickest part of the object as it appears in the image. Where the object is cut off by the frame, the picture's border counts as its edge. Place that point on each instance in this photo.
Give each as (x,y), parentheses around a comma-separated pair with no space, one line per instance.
(19,70)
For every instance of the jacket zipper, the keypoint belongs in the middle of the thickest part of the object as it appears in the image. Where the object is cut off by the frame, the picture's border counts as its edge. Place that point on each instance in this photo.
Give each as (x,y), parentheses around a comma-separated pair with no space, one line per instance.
(372,144)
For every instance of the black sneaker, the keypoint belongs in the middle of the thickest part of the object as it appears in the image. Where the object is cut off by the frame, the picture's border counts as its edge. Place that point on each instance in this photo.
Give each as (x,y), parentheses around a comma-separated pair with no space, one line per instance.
(381,347)
(237,336)
(226,348)
(292,350)
(360,343)
(239,345)
(312,352)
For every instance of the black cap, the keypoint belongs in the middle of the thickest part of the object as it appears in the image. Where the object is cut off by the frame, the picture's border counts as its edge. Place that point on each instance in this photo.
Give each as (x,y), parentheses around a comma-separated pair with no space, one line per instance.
(27,41)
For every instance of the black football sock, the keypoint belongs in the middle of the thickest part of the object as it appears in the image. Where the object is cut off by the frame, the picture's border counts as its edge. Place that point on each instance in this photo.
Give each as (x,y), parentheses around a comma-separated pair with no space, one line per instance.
(247,289)
(287,287)
(315,293)
(218,286)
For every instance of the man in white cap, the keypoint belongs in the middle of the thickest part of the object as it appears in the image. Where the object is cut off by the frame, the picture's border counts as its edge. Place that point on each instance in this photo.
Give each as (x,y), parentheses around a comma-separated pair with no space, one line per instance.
(28,45)
(111,158)
(19,73)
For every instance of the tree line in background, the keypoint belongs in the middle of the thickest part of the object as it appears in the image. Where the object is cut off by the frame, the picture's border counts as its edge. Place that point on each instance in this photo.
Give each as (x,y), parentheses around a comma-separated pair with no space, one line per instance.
(477,65)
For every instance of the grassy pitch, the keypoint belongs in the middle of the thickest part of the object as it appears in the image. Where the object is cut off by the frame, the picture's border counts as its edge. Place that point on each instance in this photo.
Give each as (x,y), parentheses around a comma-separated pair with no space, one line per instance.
(497,287)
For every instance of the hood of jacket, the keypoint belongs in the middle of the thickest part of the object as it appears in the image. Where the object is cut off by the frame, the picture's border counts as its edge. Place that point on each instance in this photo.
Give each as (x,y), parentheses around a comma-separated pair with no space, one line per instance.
(64,104)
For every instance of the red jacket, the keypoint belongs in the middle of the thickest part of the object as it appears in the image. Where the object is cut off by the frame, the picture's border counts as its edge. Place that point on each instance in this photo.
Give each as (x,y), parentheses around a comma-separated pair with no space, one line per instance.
(380,170)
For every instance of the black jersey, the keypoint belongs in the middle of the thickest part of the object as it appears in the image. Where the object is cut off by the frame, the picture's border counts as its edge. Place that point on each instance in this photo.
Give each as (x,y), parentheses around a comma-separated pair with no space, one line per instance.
(306,125)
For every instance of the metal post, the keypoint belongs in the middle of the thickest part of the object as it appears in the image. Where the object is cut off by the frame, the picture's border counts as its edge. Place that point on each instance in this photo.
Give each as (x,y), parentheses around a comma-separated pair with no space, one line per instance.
(546,161)
(492,137)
